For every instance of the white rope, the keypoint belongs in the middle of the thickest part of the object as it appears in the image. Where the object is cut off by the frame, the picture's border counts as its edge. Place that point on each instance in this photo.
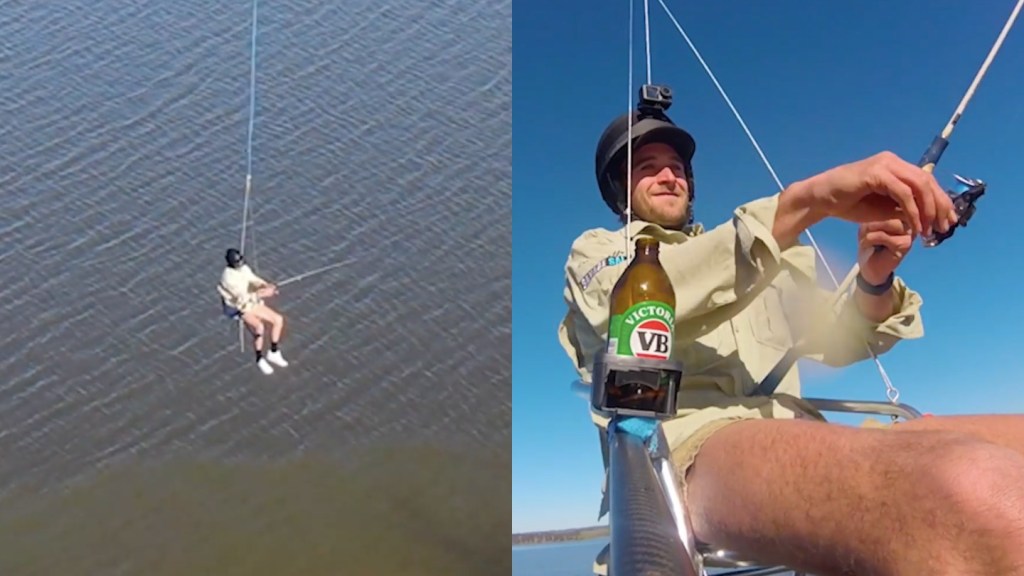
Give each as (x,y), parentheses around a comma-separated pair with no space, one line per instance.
(891,392)
(246,208)
(246,213)
(629,113)
(629,144)
(647,38)
(743,124)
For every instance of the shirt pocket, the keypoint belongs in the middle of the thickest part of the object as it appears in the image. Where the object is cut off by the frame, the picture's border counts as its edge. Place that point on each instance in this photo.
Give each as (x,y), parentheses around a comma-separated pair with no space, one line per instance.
(768,320)
(706,351)
(708,362)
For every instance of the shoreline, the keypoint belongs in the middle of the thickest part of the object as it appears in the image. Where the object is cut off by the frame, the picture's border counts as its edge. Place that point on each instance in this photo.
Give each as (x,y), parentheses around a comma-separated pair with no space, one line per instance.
(567,535)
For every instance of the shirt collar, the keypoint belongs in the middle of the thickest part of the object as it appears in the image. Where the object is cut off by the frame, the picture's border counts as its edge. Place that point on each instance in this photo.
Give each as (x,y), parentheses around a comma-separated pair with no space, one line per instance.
(637,227)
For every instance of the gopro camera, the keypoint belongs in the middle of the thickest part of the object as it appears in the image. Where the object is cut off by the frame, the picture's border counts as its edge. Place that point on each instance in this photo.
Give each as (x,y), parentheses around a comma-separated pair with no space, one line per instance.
(654,98)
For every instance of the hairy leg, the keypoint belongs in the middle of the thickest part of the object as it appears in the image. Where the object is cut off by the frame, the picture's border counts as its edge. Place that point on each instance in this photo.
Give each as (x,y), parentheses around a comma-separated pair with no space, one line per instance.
(1004,430)
(834,499)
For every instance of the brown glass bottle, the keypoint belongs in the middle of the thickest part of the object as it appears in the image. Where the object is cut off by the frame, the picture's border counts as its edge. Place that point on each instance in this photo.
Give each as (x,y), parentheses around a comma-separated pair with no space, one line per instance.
(643,306)
(642,324)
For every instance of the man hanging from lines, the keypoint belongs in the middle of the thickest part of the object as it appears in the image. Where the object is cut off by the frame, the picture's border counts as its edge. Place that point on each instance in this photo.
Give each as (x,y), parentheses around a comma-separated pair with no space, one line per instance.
(242,293)
(766,476)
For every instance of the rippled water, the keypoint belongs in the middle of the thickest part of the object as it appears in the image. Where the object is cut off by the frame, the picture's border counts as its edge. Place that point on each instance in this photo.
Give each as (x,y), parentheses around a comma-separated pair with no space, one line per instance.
(132,427)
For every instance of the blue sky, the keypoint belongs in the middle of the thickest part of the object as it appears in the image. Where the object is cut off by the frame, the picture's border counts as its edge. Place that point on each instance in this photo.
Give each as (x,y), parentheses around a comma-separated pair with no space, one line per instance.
(819,84)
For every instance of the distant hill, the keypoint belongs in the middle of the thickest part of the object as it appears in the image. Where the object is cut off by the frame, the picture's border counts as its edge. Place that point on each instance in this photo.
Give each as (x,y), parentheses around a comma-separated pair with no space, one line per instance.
(570,535)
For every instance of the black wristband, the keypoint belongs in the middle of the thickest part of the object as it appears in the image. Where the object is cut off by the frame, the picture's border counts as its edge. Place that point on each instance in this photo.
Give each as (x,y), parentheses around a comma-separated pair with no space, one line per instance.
(875,289)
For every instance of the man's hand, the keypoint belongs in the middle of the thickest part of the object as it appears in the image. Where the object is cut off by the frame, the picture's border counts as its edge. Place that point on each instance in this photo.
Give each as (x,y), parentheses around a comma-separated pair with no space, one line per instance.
(880,188)
(895,241)
(267,290)
(894,238)
(883,187)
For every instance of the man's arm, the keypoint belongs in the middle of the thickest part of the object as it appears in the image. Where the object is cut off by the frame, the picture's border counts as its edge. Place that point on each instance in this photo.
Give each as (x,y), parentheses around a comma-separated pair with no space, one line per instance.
(880,310)
(876,308)
(255,281)
(840,338)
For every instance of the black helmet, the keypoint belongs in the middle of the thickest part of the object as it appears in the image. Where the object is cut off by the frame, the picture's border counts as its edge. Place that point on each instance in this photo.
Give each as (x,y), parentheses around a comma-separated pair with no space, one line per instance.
(234,258)
(649,125)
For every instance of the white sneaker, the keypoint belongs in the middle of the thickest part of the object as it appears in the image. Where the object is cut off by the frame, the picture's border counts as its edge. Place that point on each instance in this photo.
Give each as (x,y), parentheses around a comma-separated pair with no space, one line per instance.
(277,358)
(265,366)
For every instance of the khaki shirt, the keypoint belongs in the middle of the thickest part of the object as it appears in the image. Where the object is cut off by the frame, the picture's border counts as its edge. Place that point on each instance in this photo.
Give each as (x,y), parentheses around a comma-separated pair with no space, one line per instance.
(741,303)
(237,287)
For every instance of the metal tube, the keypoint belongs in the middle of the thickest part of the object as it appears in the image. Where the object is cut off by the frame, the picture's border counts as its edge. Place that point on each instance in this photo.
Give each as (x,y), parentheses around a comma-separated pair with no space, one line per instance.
(644,537)
(905,411)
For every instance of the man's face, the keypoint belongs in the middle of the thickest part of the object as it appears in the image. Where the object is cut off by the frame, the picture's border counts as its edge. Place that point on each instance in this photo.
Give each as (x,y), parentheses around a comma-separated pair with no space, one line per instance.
(660,191)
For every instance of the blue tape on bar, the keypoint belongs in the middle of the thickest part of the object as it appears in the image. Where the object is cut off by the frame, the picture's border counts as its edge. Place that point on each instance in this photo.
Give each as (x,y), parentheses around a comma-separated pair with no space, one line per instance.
(644,428)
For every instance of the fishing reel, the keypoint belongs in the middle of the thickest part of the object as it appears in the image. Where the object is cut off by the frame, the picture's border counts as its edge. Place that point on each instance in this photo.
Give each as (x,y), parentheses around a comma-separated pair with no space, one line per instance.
(631,386)
(964,196)
(655,99)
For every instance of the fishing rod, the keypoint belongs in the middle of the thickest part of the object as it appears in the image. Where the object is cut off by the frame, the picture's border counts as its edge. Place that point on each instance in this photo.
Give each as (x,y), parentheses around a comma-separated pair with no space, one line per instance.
(970,190)
(934,153)
(312,272)
(964,196)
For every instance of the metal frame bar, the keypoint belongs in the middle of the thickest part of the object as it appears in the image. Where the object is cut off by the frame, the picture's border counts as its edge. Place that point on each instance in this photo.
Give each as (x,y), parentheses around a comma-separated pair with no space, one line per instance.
(644,531)
(900,410)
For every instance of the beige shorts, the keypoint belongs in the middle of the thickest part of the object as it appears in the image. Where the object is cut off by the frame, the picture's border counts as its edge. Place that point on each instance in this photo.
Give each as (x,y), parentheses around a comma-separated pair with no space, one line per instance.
(248,305)
(687,433)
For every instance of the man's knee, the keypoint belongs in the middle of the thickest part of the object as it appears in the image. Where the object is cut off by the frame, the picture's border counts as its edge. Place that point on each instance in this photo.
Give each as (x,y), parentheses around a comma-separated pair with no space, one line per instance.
(978,479)
(254,325)
(981,487)
(944,496)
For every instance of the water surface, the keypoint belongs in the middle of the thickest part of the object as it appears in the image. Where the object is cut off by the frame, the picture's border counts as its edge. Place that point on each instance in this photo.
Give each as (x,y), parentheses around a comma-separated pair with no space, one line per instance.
(133,430)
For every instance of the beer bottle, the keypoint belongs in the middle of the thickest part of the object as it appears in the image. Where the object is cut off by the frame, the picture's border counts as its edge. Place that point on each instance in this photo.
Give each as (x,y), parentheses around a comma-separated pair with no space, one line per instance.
(643,306)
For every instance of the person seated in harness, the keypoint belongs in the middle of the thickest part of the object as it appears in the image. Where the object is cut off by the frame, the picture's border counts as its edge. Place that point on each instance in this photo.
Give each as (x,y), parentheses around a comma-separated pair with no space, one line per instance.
(242,293)
(765,476)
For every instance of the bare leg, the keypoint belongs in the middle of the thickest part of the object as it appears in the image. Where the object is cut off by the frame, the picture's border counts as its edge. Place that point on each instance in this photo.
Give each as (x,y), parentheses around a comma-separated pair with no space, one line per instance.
(834,499)
(272,317)
(1004,430)
(276,321)
(255,325)
(276,327)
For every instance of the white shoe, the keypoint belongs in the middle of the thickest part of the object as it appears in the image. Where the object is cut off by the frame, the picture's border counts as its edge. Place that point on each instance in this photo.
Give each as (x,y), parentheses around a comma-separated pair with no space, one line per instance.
(277,358)
(265,366)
